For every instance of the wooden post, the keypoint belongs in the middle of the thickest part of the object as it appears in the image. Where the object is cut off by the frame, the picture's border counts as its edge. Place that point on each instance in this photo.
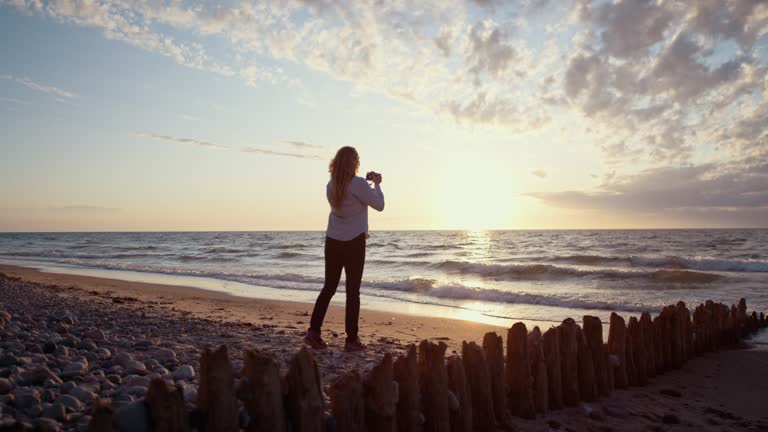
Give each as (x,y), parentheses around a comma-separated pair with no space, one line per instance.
(434,385)
(304,402)
(658,345)
(261,391)
(101,421)
(538,371)
(380,392)
(587,381)
(461,416)
(165,405)
(742,317)
(493,346)
(216,395)
(554,372)
(617,346)
(347,403)
(593,333)
(686,329)
(409,415)
(635,337)
(646,330)
(479,385)
(519,372)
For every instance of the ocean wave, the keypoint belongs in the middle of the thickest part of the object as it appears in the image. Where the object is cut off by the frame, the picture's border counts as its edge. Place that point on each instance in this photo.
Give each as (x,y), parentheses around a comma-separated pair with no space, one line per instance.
(194,258)
(460,292)
(548,271)
(224,250)
(672,262)
(289,255)
(746,266)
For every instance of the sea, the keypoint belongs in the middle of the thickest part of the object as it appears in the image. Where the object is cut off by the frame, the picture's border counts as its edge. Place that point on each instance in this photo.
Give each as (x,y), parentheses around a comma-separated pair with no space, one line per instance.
(496,277)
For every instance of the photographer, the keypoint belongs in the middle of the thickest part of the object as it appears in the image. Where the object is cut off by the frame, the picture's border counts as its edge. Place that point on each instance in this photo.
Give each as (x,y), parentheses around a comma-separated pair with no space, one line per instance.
(349,197)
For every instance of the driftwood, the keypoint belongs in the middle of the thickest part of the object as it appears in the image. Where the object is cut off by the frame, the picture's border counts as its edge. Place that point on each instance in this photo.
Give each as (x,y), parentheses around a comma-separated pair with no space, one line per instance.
(493,346)
(347,403)
(304,399)
(409,416)
(101,421)
(538,371)
(569,361)
(479,385)
(520,398)
(593,334)
(617,346)
(433,378)
(380,393)
(461,414)
(261,391)
(216,395)
(554,372)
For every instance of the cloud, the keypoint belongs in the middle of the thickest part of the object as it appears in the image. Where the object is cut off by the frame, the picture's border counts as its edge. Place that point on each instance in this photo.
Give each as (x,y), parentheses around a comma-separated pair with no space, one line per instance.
(277,153)
(257,150)
(303,145)
(659,79)
(735,186)
(40,87)
(188,141)
(540,173)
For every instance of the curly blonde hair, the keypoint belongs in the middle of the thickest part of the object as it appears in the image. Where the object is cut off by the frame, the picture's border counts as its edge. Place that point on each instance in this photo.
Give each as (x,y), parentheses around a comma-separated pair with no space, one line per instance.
(342,168)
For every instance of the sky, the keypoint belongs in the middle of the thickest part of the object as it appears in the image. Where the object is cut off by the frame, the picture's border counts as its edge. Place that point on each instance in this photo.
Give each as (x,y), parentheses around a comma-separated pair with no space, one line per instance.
(161,115)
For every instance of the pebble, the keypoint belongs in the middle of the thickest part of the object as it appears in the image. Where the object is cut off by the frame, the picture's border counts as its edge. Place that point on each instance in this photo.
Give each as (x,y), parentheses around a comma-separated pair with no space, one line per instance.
(26,398)
(69,401)
(47,425)
(5,386)
(185,372)
(39,375)
(56,411)
(74,369)
(135,367)
(83,393)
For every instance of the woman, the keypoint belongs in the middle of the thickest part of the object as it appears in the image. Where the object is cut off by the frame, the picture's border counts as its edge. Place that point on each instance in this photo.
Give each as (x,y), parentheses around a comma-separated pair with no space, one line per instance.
(349,197)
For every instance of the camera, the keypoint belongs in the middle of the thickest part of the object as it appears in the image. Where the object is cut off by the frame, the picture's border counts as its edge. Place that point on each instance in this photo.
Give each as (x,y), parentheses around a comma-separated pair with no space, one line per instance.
(371,175)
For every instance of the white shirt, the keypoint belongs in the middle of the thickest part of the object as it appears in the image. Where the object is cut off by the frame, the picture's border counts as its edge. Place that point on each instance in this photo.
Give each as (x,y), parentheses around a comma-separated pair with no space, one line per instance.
(350,219)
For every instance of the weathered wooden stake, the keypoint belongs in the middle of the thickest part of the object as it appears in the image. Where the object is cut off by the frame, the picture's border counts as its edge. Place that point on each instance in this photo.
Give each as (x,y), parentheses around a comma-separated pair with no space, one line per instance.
(347,403)
(461,416)
(593,334)
(434,386)
(261,391)
(380,392)
(554,372)
(520,398)
(479,384)
(587,382)
(493,346)
(617,346)
(216,395)
(646,329)
(409,415)
(538,371)
(304,401)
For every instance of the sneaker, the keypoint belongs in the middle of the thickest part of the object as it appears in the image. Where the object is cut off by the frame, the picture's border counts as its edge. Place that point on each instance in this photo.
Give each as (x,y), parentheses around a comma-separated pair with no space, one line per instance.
(354,345)
(314,340)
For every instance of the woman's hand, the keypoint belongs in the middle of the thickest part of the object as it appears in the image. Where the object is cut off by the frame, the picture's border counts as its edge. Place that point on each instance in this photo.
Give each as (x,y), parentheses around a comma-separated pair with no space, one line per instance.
(377,179)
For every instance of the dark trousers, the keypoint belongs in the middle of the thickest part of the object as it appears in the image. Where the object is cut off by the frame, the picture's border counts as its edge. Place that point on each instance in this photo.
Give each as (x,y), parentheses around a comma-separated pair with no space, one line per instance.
(349,255)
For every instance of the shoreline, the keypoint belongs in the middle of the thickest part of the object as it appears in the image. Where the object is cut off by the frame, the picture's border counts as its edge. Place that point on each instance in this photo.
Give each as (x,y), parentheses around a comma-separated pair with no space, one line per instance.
(207,304)
(715,391)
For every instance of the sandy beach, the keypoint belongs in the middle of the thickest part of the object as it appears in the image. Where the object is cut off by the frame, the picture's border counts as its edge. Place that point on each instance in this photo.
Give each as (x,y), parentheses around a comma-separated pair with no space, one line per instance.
(164,327)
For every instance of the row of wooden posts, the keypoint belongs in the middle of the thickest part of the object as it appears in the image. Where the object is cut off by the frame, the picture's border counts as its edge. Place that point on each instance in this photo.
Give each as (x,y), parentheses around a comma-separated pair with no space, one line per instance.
(421,390)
